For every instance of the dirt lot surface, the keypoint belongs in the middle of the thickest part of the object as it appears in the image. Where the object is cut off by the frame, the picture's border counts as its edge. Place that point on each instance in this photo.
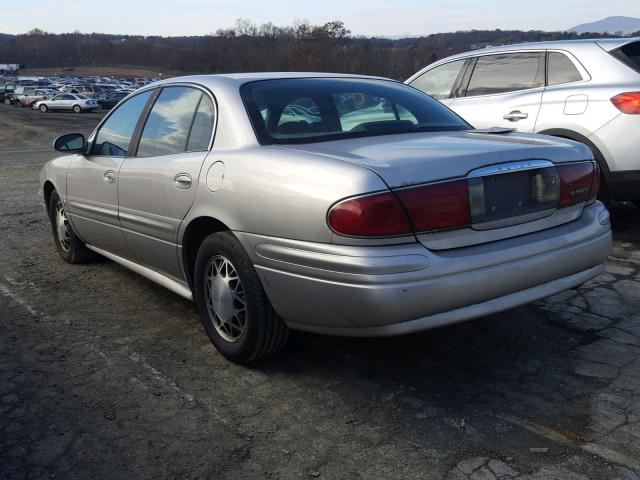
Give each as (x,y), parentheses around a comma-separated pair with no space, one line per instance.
(106,375)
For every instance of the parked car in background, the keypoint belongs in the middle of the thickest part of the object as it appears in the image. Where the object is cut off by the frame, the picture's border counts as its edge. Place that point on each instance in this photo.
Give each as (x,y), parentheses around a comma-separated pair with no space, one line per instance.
(6,92)
(29,98)
(86,90)
(584,90)
(404,220)
(66,101)
(111,99)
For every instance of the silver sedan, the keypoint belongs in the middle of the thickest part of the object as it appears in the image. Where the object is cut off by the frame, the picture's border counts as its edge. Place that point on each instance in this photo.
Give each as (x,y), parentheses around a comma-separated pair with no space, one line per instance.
(72,102)
(334,204)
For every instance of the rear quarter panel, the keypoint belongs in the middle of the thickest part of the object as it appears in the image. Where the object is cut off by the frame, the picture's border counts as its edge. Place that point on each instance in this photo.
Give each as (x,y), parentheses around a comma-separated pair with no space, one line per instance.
(268,191)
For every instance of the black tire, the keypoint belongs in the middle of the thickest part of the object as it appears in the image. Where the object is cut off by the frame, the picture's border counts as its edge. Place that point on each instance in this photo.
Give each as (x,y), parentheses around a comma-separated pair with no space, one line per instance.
(263,332)
(43,108)
(71,248)
(636,203)
(77,109)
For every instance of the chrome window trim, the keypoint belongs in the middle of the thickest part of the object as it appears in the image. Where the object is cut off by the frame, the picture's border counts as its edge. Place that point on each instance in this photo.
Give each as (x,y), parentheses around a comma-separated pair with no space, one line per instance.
(152,87)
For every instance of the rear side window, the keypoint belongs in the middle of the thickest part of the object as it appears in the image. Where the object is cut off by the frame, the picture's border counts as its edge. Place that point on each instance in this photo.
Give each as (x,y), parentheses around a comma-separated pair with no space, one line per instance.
(560,69)
(202,126)
(439,81)
(115,134)
(630,55)
(509,72)
(167,128)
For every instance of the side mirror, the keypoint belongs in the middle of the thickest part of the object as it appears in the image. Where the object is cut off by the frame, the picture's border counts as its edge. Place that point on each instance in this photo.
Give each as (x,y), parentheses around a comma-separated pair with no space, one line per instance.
(71,142)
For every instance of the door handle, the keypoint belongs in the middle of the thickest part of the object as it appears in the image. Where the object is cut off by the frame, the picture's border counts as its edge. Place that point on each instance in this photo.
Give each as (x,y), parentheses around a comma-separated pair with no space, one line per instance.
(515,116)
(109,176)
(182,180)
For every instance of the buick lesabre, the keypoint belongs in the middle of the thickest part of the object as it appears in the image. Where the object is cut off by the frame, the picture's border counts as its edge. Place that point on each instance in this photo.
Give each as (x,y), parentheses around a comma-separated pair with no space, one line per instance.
(336,204)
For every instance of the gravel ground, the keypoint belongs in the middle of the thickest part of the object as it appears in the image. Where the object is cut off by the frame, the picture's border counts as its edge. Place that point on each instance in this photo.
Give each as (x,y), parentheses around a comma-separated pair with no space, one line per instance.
(106,375)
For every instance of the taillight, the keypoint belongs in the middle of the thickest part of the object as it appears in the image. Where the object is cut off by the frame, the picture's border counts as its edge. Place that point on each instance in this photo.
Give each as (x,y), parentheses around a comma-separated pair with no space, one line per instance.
(378,215)
(627,102)
(579,182)
(429,207)
(448,205)
(439,206)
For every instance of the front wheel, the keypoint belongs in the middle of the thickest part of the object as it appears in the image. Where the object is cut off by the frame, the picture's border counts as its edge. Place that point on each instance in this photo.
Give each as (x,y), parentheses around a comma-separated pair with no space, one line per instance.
(69,246)
(233,306)
(77,109)
(43,108)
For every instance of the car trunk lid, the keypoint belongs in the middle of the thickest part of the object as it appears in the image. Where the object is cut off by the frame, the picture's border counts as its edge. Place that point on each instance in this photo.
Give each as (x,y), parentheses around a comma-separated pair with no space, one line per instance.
(513,180)
(417,158)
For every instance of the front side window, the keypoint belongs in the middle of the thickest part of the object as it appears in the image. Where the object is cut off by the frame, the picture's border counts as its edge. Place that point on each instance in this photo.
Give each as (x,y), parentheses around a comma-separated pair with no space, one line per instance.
(439,81)
(115,134)
(307,110)
(509,72)
(167,128)
(561,70)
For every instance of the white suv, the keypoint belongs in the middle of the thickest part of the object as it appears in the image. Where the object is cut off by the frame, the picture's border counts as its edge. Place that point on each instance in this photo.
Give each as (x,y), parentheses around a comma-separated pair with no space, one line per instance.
(584,90)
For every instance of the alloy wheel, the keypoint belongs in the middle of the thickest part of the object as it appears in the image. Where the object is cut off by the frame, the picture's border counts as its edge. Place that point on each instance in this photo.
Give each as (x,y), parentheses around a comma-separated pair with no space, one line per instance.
(62,227)
(225,299)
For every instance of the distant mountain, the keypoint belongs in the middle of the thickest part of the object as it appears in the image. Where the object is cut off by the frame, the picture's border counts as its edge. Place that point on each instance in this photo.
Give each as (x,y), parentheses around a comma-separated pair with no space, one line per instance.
(612,25)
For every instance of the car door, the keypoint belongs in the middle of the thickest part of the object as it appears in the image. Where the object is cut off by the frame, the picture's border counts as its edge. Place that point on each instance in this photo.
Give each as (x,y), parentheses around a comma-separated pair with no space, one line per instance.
(157,186)
(564,102)
(92,178)
(66,102)
(55,101)
(503,90)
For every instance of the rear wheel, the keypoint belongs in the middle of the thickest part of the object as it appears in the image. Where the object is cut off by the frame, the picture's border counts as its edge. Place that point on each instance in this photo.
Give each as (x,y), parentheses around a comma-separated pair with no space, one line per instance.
(43,108)
(233,306)
(69,246)
(77,109)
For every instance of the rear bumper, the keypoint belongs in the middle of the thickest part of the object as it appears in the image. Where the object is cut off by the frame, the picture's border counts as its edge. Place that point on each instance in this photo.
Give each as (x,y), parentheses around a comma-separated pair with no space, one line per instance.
(391,290)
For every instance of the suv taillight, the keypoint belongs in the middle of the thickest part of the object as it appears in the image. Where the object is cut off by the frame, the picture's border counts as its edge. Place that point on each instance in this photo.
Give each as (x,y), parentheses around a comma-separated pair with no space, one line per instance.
(579,182)
(627,102)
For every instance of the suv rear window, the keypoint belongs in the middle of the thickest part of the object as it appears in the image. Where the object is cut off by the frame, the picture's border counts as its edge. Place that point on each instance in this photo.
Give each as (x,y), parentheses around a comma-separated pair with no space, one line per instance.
(561,70)
(307,110)
(629,55)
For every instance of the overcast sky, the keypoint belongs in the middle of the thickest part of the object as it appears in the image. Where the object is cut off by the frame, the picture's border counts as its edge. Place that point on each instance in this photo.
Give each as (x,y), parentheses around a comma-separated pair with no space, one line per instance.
(363,17)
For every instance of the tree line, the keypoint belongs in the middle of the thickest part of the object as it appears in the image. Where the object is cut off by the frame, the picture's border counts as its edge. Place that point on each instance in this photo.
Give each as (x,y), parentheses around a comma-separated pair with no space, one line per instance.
(250,47)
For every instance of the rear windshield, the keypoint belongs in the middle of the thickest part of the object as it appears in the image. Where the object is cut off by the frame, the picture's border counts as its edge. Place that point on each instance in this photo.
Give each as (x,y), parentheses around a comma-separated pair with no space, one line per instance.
(630,55)
(307,110)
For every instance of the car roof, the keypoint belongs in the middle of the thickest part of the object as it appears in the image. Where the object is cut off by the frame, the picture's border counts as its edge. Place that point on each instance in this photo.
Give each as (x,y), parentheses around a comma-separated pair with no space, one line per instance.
(228,79)
(606,43)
